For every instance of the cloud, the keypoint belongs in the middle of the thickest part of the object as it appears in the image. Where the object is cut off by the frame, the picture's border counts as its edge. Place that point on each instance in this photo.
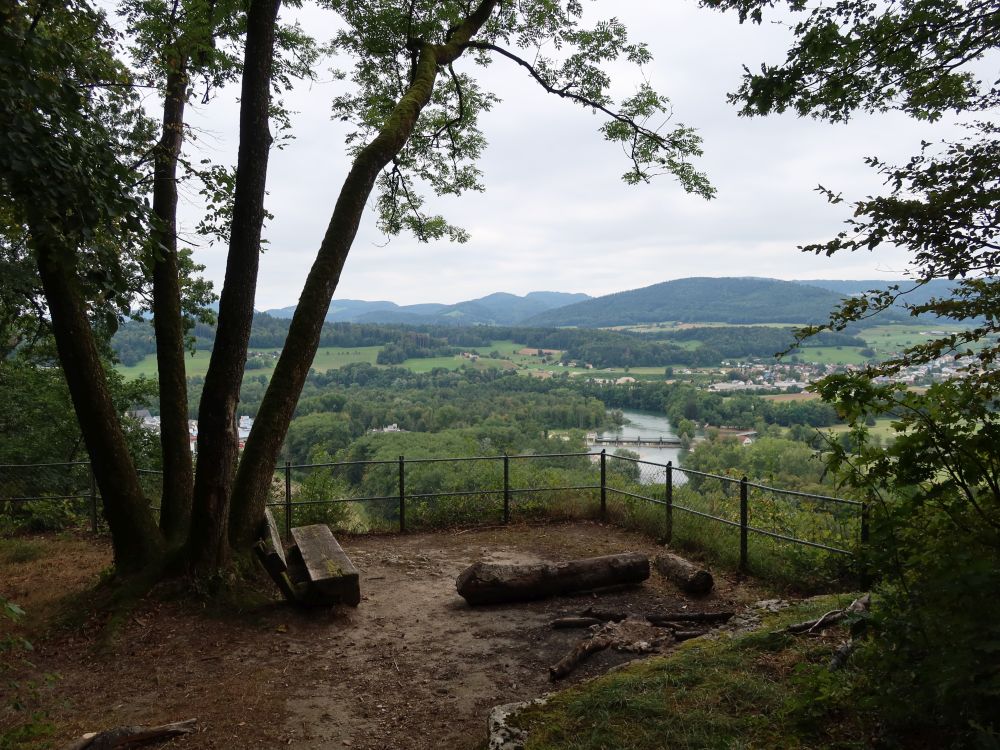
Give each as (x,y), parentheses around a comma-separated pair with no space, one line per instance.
(556,215)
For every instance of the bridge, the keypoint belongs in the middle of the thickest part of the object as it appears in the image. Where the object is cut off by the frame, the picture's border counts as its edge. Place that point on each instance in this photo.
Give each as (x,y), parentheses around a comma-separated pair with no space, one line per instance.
(637,441)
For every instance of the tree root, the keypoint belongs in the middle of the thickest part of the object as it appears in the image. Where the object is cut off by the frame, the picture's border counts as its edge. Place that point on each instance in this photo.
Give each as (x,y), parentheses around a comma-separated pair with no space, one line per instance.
(124,736)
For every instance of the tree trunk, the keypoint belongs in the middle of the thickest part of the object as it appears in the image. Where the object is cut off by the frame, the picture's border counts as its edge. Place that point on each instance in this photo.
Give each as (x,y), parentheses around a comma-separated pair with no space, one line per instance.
(136,540)
(490,583)
(218,447)
(687,576)
(278,405)
(178,472)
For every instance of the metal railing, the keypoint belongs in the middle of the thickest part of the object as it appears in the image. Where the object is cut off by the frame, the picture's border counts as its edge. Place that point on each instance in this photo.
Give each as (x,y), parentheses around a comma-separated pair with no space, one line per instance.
(612,475)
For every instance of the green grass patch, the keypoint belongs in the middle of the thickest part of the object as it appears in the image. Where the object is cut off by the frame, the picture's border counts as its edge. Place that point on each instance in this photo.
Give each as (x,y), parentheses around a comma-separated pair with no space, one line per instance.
(762,689)
(327,358)
(891,339)
(882,428)
(831,355)
(20,551)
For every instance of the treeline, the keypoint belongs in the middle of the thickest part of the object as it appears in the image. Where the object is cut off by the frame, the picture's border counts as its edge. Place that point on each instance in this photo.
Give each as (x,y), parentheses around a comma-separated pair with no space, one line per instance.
(695,347)
(713,344)
(342,405)
(414,345)
(688,407)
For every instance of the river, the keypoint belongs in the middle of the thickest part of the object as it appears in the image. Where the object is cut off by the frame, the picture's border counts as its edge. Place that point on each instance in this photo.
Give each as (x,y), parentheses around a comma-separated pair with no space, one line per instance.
(648,425)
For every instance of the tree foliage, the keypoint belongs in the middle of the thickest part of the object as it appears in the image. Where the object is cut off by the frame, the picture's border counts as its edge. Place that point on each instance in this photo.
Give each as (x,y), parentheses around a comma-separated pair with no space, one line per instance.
(90,191)
(936,488)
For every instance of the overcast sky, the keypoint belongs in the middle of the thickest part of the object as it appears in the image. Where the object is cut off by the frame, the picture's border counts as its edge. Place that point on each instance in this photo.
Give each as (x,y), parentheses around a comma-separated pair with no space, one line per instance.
(555,214)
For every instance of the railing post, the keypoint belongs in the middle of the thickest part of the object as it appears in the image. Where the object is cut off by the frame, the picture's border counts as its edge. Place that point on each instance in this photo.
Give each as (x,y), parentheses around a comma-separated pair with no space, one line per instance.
(93,498)
(604,484)
(668,496)
(744,518)
(288,499)
(402,495)
(506,488)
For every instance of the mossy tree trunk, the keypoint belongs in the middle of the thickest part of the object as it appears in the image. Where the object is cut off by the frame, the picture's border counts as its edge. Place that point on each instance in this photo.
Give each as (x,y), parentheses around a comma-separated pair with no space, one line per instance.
(261,453)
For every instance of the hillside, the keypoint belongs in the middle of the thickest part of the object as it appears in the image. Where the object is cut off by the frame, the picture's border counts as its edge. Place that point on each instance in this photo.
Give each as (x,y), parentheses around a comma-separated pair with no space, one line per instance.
(499,308)
(718,300)
(852,287)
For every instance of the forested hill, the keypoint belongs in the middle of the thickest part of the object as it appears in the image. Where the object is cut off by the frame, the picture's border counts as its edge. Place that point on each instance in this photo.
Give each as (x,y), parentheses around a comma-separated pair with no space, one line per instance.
(717,300)
(500,308)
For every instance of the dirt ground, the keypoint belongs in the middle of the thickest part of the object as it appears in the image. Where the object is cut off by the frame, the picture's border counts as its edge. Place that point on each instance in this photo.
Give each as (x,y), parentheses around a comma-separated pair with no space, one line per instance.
(412,668)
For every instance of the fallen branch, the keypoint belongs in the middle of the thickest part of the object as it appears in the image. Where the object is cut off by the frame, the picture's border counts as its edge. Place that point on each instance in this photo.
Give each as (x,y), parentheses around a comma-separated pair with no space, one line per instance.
(657,618)
(634,636)
(832,617)
(123,736)
(581,651)
(575,622)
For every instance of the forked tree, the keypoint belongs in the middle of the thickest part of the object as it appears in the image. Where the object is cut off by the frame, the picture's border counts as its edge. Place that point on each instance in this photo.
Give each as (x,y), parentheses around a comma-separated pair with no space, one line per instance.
(414,102)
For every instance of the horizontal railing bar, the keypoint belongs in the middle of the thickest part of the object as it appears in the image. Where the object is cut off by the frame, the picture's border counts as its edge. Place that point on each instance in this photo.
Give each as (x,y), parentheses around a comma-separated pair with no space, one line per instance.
(638,497)
(44,497)
(552,455)
(457,493)
(708,476)
(639,461)
(809,495)
(44,465)
(339,463)
(694,512)
(556,489)
(817,545)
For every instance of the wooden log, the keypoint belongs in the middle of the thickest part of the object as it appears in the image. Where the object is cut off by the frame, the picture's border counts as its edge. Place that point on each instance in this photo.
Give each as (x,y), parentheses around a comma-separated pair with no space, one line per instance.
(491,583)
(333,579)
(580,652)
(121,736)
(686,575)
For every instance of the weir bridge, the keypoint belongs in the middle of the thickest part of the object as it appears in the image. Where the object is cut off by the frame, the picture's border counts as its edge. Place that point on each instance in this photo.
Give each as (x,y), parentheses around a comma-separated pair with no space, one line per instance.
(636,441)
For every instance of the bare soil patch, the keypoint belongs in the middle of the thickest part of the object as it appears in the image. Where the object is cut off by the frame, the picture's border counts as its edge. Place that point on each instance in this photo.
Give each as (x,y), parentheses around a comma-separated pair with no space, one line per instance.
(414,667)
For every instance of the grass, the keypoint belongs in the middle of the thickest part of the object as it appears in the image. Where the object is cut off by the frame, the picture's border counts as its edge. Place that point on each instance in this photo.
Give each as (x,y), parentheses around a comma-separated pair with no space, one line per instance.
(882,429)
(800,396)
(20,551)
(889,339)
(327,358)
(831,355)
(761,689)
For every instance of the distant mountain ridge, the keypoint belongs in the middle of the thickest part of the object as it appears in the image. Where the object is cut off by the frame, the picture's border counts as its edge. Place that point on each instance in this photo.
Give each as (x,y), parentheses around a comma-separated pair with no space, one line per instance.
(702,299)
(696,299)
(499,308)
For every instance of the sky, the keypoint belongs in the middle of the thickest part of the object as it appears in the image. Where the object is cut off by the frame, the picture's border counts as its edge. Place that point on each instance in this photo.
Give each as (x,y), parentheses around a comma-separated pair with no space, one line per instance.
(555,214)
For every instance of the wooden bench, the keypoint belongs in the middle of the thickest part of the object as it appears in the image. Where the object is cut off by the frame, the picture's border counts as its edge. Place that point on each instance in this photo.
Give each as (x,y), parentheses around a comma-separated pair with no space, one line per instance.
(316,571)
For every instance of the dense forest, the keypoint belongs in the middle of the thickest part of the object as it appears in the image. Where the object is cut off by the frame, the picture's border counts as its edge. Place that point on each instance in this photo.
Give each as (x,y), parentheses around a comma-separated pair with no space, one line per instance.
(723,300)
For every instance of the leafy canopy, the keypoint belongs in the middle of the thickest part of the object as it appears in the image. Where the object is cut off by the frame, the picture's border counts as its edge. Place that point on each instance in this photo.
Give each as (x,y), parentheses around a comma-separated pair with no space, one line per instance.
(936,488)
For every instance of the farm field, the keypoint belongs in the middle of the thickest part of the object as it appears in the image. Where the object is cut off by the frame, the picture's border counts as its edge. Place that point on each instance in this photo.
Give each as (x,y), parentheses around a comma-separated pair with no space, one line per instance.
(327,357)
(800,396)
(893,338)
(882,428)
(831,355)
(884,339)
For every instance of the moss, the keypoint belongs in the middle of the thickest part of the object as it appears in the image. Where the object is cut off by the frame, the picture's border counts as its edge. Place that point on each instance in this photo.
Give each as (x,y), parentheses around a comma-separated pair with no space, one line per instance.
(751,690)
